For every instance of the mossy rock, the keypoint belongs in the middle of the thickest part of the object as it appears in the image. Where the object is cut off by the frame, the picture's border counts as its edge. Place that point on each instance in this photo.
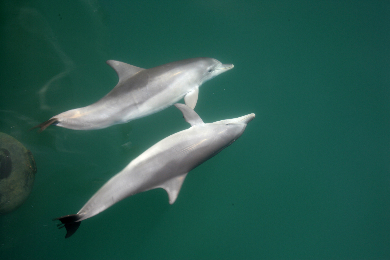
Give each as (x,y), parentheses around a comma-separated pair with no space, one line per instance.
(17,173)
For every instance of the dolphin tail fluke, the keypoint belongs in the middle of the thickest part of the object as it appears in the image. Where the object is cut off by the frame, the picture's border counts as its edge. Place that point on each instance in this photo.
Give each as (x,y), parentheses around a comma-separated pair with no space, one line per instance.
(70,222)
(45,124)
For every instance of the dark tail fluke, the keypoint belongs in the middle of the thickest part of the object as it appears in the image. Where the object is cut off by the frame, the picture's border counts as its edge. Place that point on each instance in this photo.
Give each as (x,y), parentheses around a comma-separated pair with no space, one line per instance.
(70,223)
(45,124)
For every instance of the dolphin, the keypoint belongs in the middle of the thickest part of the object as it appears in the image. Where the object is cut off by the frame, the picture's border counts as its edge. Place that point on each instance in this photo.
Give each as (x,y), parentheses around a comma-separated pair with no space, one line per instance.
(141,92)
(164,165)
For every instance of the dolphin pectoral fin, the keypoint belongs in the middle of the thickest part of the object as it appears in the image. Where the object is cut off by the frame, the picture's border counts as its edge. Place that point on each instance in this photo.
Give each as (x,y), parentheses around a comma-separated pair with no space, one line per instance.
(70,222)
(173,186)
(189,115)
(123,70)
(192,97)
(45,124)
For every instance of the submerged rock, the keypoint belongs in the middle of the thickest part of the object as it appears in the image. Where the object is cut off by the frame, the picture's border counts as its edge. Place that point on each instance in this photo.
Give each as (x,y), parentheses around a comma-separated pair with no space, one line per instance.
(17,173)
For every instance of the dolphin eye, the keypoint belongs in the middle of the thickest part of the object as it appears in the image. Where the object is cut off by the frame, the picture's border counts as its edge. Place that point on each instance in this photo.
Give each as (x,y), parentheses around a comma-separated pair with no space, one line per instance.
(210,70)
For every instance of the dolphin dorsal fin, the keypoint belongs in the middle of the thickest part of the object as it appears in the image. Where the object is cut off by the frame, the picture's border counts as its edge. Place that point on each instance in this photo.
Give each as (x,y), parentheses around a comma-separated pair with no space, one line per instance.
(173,186)
(189,115)
(123,70)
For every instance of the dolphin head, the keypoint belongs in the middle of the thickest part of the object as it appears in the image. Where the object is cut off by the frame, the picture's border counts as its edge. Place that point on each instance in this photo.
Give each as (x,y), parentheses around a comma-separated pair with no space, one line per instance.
(206,68)
(212,67)
(242,120)
(233,128)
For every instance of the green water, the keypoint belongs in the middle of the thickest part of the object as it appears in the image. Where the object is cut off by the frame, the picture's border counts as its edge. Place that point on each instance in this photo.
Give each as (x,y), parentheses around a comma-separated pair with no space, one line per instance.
(309,178)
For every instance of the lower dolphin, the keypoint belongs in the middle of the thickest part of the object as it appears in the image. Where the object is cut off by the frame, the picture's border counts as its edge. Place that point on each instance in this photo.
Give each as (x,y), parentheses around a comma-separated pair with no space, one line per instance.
(164,165)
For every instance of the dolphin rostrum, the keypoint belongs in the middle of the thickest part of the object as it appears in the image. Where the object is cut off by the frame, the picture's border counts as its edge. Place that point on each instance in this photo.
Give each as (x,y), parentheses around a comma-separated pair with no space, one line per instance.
(164,165)
(141,92)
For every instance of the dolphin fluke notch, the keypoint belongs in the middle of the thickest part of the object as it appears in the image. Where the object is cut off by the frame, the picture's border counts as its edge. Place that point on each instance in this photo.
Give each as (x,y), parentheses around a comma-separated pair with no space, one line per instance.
(45,124)
(70,222)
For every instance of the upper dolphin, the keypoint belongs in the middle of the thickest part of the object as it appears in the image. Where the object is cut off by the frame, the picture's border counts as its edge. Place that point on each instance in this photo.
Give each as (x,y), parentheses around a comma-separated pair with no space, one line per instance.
(141,92)
(164,165)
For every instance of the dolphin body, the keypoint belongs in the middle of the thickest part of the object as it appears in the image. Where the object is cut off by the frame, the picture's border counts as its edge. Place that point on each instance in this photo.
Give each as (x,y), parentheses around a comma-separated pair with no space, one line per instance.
(164,165)
(141,92)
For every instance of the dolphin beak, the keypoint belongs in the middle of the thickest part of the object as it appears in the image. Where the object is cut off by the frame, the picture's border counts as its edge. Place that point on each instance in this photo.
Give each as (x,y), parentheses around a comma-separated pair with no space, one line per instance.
(225,67)
(246,119)
(238,120)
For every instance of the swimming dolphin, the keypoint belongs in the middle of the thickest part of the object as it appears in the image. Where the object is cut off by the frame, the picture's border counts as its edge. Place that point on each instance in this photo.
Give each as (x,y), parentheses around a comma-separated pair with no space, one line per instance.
(164,165)
(141,92)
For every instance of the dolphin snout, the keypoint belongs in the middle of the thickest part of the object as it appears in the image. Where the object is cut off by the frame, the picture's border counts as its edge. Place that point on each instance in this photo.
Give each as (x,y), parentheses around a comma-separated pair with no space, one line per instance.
(226,67)
(246,119)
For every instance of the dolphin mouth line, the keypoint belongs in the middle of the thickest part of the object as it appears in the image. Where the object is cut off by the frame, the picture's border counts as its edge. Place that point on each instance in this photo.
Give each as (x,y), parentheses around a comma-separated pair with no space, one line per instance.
(225,67)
